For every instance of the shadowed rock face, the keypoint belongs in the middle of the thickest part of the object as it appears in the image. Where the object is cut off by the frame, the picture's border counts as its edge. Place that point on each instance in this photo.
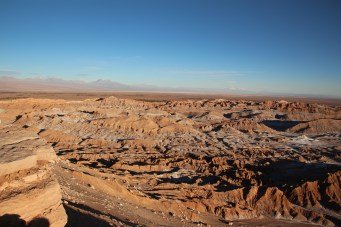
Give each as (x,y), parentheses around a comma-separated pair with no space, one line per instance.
(193,162)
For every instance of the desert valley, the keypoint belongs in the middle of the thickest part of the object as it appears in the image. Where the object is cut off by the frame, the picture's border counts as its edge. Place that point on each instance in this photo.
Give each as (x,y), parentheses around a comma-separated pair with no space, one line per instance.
(170,113)
(109,161)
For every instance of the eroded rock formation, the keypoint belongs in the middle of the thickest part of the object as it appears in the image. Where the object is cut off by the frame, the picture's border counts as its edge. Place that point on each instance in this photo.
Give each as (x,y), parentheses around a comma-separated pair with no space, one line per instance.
(200,162)
(27,188)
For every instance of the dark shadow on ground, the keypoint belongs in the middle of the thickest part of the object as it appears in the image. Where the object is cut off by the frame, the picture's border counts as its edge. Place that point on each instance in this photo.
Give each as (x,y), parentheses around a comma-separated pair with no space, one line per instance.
(14,220)
(77,218)
(292,172)
(242,114)
(279,125)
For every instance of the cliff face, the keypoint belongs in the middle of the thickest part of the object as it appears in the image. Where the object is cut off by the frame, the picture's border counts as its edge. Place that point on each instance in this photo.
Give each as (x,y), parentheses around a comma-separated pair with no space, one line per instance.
(28,191)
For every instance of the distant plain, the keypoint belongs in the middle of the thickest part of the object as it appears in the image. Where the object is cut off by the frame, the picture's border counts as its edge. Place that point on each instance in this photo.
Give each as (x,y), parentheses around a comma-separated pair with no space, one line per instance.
(163,96)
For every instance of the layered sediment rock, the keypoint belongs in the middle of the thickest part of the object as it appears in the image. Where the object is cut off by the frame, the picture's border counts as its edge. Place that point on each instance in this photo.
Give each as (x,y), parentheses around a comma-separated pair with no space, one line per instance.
(27,188)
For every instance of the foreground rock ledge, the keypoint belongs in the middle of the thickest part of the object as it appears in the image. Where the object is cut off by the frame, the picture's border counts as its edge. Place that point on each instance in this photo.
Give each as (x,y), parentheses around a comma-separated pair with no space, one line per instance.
(27,189)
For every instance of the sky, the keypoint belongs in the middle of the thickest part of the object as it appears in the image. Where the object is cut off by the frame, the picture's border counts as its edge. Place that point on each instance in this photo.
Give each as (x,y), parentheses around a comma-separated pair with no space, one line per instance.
(288,46)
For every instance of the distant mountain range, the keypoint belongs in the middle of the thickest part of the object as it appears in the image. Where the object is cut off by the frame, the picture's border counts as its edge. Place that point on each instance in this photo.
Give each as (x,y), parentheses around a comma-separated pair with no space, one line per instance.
(13,84)
(42,84)
(55,84)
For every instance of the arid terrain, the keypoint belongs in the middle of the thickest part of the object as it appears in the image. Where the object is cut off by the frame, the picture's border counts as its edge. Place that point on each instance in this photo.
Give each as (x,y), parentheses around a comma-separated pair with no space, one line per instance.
(157,161)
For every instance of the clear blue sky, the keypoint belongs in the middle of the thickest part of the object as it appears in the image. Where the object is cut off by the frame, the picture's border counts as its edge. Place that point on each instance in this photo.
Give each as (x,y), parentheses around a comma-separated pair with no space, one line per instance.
(291,46)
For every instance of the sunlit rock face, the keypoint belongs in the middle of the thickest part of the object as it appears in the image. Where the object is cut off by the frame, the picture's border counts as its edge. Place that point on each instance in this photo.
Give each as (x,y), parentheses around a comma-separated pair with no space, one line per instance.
(28,189)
